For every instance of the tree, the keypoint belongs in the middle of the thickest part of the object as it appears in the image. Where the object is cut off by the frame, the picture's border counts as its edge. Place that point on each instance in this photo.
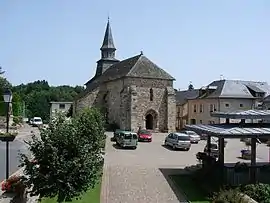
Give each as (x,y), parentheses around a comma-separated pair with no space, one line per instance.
(68,156)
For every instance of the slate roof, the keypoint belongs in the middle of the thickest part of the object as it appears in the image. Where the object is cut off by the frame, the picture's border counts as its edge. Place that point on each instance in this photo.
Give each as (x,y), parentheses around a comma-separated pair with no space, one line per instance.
(137,66)
(183,96)
(108,38)
(237,88)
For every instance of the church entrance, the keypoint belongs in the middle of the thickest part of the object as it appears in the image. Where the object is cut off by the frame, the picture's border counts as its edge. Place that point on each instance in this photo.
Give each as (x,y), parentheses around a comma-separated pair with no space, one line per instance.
(151,117)
(149,122)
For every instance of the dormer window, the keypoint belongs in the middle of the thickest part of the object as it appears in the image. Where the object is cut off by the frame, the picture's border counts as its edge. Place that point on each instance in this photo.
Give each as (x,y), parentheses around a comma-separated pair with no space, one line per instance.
(151,94)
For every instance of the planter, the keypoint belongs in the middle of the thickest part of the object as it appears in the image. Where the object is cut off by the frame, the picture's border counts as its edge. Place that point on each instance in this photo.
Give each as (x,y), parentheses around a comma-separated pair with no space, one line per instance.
(8,137)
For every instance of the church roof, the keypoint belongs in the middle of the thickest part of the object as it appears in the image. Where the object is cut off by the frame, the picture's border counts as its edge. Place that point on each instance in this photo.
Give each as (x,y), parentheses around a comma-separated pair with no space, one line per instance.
(108,38)
(138,66)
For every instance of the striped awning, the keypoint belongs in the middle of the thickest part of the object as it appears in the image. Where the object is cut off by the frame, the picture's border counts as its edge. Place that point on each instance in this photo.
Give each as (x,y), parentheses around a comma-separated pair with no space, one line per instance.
(230,131)
(249,114)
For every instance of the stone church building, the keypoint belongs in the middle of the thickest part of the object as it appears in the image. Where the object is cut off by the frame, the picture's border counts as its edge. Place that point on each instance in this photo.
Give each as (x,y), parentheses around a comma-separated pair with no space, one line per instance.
(133,92)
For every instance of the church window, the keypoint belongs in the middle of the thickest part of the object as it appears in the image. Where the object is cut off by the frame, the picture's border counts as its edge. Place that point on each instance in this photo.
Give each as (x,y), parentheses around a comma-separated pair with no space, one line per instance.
(151,94)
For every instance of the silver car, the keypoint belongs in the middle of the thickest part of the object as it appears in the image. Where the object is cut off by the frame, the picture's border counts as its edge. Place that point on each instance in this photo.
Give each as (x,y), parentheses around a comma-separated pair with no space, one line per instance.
(194,137)
(178,141)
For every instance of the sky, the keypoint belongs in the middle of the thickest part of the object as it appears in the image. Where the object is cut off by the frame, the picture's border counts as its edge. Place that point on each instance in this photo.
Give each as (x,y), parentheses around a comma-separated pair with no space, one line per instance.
(197,41)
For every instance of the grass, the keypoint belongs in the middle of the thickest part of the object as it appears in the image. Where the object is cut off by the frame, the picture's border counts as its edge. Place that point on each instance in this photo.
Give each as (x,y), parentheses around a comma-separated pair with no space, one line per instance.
(91,196)
(192,190)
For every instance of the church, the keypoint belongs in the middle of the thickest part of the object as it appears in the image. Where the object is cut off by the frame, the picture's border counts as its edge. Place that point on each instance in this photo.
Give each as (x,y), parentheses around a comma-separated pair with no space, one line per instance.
(132,93)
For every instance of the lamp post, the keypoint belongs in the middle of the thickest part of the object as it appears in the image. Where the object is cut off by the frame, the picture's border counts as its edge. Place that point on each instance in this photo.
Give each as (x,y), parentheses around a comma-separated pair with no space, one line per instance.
(7,99)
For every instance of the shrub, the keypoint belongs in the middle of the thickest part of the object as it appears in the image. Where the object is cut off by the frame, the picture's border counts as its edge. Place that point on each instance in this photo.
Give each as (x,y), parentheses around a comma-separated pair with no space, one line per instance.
(228,196)
(17,119)
(259,192)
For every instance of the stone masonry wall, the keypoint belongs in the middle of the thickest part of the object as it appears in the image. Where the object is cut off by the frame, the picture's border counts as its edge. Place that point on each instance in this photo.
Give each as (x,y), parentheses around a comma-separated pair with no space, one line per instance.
(141,104)
(114,89)
(171,109)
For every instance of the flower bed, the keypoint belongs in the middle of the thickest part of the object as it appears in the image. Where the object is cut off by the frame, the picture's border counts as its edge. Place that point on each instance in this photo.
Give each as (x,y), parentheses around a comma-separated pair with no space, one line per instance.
(14,184)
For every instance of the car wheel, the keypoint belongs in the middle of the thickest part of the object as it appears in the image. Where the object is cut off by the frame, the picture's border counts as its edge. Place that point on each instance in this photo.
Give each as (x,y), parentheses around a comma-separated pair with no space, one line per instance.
(174,148)
(187,149)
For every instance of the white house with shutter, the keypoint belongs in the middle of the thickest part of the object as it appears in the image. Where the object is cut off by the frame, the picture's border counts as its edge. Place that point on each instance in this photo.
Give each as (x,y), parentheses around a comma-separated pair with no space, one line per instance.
(59,107)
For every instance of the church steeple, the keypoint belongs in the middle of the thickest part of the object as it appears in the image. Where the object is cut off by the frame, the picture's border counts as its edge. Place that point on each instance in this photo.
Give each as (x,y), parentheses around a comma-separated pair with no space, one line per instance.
(107,52)
(108,38)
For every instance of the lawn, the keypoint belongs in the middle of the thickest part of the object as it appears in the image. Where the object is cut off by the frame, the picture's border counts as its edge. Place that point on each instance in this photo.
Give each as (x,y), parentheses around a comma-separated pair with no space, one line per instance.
(91,196)
(190,188)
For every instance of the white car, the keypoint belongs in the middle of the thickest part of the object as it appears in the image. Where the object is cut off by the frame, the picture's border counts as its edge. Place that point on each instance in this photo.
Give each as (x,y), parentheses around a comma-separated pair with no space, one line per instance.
(178,141)
(37,121)
(194,137)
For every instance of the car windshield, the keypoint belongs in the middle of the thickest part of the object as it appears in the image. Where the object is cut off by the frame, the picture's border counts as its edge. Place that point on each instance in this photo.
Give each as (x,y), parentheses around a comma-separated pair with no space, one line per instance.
(145,132)
(37,120)
(183,138)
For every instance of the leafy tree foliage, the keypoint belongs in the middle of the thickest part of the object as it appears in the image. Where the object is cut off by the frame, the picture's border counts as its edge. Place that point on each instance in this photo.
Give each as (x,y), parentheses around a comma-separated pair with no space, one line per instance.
(38,95)
(68,159)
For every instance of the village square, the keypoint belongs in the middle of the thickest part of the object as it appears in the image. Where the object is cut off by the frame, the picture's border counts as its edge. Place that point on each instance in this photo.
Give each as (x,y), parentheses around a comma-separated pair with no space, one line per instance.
(127,134)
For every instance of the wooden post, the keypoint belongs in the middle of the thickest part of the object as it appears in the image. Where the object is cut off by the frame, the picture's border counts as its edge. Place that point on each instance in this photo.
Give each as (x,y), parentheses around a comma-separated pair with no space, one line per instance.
(221,146)
(208,145)
(253,170)
(227,121)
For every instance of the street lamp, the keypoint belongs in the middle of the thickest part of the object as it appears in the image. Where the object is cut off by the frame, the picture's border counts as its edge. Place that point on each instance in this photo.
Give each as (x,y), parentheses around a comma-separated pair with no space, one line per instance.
(7,99)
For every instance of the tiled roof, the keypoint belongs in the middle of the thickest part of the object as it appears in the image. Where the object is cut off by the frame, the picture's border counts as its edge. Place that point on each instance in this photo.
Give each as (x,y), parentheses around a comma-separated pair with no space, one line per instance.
(183,96)
(137,66)
(237,88)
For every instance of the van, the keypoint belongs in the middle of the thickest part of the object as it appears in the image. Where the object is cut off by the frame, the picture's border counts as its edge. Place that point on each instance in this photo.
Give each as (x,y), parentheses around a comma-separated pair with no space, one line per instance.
(127,139)
(37,121)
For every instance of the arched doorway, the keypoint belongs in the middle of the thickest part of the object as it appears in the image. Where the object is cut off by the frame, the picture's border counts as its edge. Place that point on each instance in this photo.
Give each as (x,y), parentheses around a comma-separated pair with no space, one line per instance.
(149,124)
(151,119)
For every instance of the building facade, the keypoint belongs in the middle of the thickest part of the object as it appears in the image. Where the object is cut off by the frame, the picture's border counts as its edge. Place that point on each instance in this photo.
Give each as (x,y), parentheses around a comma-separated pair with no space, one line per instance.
(222,96)
(62,107)
(131,93)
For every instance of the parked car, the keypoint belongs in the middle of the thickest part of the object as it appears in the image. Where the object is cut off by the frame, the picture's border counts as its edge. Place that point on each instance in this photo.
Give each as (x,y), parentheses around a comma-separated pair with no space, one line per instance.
(31,121)
(37,122)
(213,149)
(145,135)
(115,133)
(127,139)
(194,137)
(178,141)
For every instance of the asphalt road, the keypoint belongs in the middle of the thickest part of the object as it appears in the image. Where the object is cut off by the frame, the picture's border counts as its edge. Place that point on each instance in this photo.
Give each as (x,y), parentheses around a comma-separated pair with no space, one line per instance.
(15,148)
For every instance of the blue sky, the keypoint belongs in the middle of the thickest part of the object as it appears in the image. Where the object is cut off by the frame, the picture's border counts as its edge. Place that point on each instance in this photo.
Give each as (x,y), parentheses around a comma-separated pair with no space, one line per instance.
(59,40)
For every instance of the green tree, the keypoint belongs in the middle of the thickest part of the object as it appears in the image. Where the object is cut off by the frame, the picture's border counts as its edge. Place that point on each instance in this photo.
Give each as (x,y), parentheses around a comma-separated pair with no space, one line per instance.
(68,157)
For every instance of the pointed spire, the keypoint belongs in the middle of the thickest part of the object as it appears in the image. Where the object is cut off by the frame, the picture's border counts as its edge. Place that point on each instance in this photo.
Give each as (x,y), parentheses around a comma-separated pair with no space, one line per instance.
(108,38)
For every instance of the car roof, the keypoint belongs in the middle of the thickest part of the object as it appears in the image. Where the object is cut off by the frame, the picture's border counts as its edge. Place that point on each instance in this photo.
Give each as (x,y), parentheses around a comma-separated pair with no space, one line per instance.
(127,132)
(181,134)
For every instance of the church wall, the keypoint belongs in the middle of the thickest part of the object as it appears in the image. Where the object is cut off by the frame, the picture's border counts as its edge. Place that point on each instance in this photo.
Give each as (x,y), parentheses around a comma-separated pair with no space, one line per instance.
(113,89)
(88,100)
(141,104)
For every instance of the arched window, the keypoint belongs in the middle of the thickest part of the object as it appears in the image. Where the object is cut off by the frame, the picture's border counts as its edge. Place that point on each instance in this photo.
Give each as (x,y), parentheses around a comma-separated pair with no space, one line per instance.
(151,94)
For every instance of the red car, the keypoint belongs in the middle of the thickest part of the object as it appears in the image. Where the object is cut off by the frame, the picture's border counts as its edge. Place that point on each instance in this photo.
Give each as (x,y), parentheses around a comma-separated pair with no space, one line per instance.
(144,135)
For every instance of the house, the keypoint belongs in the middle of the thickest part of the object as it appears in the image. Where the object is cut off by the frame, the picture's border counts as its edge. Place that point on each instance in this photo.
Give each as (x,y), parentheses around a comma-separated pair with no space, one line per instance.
(132,93)
(222,96)
(182,106)
(59,107)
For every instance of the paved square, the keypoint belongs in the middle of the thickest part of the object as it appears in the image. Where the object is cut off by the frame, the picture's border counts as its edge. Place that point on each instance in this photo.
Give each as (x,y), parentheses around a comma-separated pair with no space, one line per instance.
(132,176)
